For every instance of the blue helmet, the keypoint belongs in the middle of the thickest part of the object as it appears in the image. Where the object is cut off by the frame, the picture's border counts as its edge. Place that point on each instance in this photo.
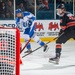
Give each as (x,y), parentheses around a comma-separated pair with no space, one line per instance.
(18,11)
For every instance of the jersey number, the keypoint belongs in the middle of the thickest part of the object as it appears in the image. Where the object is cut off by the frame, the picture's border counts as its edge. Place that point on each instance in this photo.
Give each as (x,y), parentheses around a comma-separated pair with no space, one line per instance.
(27,24)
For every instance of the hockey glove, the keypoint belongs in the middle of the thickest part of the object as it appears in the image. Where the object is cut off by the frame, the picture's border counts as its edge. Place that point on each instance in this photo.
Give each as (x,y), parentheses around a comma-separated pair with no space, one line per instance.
(60,32)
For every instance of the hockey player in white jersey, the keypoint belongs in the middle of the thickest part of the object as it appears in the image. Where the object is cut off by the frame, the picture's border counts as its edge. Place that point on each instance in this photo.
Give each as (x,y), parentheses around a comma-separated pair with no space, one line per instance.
(26,19)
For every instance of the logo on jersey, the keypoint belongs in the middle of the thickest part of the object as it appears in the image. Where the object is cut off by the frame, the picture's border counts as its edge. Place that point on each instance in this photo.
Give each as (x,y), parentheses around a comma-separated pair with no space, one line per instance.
(53,26)
(38,26)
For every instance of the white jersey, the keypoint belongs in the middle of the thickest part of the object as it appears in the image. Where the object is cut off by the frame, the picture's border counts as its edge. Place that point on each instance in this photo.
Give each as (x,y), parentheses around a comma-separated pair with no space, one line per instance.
(26,22)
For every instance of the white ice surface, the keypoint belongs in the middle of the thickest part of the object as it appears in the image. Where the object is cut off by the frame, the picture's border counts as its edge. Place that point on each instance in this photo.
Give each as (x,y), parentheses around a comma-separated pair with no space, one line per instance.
(38,63)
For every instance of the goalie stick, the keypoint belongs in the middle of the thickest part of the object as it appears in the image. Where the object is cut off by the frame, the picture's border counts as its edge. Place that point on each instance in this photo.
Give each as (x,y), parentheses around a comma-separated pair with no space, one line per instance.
(42,46)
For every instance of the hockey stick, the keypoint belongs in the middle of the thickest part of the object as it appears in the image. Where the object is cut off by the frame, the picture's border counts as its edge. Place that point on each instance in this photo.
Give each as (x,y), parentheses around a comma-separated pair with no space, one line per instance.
(38,48)
(42,46)
(25,46)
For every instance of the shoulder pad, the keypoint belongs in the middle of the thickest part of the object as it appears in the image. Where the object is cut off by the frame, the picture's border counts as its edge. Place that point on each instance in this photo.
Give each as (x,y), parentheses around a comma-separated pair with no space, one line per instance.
(26,13)
(69,14)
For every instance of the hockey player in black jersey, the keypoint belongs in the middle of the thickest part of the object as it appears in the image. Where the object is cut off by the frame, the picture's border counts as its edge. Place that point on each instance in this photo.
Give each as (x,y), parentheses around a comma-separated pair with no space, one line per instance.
(67,31)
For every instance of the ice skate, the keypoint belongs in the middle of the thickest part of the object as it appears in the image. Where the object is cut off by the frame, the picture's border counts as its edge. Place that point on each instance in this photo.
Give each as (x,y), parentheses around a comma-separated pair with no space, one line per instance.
(55,59)
(28,51)
(46,48)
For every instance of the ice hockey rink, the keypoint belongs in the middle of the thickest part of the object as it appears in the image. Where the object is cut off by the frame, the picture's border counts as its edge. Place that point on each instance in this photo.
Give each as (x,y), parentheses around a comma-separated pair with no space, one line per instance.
(38,63)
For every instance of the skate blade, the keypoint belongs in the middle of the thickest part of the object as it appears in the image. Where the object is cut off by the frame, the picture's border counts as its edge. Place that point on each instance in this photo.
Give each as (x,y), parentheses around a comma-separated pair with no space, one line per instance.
(54,62)
(25,52)
(47,49)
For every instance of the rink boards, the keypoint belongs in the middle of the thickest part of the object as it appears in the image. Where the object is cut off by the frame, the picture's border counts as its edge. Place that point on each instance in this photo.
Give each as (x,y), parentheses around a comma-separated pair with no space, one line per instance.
(46,30)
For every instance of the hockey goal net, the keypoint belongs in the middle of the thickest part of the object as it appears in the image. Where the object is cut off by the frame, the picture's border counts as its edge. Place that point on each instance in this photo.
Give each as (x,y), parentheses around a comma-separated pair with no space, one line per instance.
(9,51)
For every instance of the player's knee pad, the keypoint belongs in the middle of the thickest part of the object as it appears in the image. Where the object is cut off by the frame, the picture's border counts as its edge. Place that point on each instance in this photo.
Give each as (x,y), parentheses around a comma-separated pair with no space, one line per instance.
(58,42)
(35,38)
(26,36)
(61,42)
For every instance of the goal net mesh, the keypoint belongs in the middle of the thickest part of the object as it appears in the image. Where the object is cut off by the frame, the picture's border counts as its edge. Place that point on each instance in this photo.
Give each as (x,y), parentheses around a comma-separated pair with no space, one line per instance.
(8,52)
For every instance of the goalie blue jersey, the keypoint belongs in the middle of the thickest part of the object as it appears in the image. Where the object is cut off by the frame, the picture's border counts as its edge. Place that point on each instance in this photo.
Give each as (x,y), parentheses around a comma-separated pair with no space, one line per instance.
(26,22)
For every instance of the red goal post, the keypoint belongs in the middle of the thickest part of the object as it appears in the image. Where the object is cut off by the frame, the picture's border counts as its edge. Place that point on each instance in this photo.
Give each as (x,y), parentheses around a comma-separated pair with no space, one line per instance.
(9,51)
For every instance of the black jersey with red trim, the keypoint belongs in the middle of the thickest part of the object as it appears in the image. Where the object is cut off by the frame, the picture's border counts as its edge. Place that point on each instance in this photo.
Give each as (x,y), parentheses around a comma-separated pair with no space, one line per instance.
(67,20)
